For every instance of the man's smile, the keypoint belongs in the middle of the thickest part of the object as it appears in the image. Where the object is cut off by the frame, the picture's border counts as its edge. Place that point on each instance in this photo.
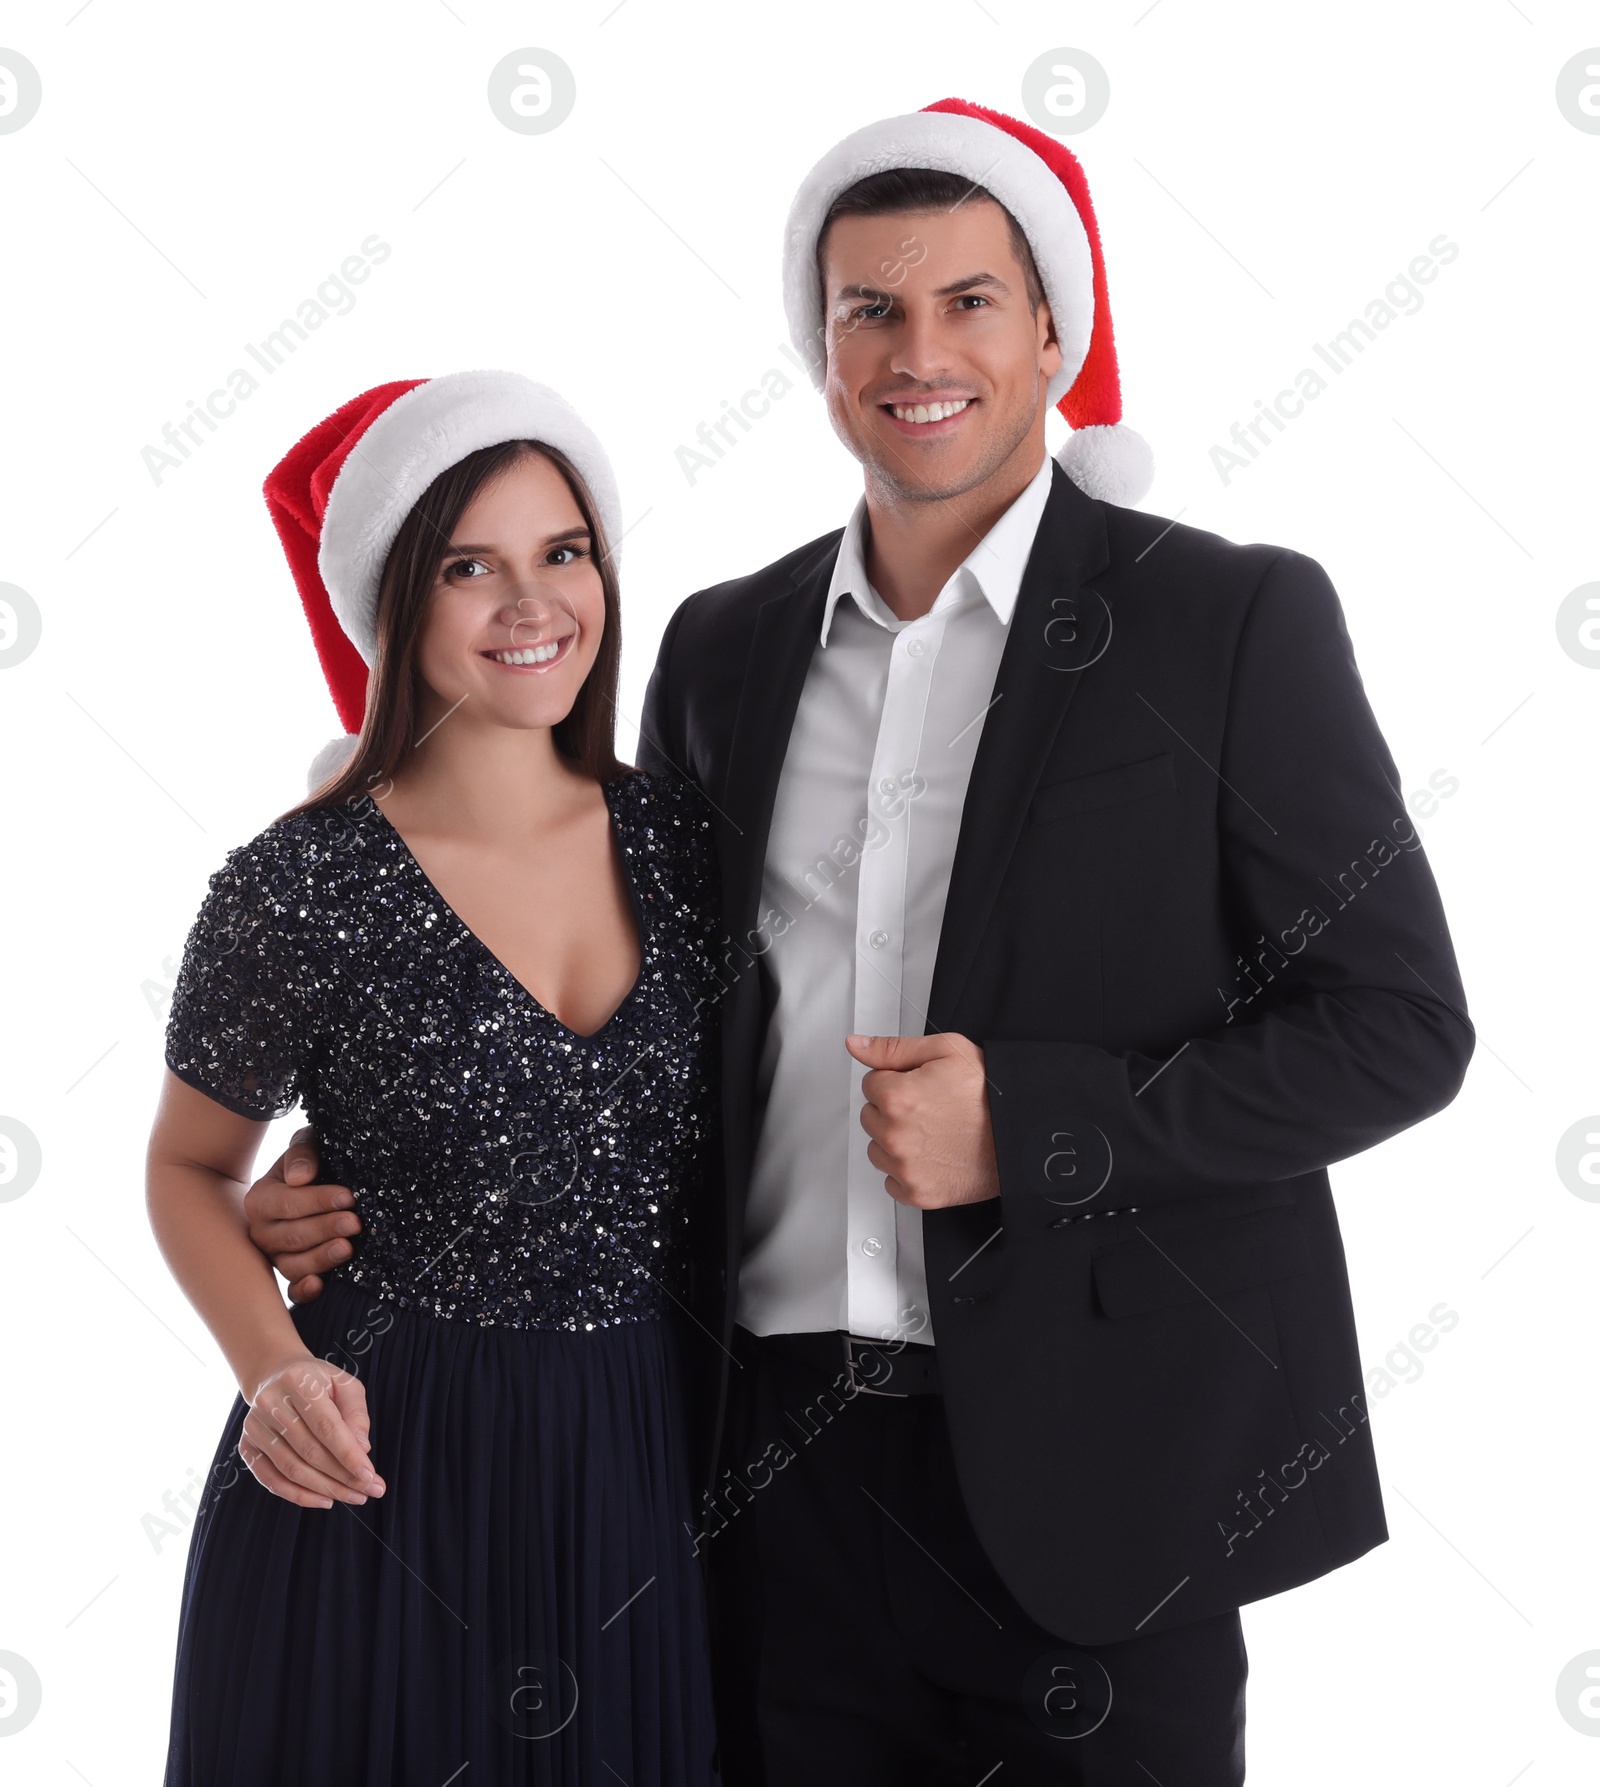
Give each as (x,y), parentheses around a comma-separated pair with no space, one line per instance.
(939,417)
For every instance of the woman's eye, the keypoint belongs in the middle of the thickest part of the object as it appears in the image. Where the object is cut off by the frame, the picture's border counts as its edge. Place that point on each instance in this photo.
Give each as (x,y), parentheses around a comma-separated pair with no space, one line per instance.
(576,552)
(464,565)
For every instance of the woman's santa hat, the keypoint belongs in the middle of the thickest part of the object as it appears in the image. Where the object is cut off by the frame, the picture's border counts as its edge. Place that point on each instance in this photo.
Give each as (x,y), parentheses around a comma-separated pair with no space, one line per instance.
(1039,181)
(338,498)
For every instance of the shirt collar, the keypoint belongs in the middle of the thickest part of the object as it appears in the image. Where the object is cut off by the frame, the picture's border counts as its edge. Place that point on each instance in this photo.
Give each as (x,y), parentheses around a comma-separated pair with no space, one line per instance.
(994,566)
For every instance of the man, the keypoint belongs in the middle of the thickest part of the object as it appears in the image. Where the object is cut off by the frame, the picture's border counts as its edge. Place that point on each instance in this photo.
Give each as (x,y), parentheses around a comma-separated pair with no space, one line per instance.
(1075,926)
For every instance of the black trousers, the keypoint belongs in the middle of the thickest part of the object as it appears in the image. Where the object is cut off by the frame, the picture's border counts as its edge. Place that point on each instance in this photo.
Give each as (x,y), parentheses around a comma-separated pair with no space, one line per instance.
(861,1637)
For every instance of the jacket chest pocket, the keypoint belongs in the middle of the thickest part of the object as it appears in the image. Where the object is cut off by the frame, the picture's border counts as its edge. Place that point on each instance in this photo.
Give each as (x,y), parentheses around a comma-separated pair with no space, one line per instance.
(1147,779)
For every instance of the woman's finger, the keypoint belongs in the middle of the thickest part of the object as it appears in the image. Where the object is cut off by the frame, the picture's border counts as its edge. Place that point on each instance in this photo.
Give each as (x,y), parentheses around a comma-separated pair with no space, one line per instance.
(279,1421)
(276,1445)
(291,1444)
(350,1396)
(267,1474)
(325,1420)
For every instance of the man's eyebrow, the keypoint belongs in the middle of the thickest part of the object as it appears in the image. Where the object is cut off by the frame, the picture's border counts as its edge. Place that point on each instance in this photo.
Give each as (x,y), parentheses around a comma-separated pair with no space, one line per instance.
(450,548)
(972,282)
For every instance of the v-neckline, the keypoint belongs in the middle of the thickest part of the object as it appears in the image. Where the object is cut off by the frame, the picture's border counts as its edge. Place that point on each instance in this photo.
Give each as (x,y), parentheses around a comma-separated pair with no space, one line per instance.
(640,924)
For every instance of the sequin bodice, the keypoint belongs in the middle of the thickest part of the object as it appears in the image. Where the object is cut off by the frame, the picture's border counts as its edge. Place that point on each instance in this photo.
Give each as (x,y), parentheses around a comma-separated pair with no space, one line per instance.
(506,1169)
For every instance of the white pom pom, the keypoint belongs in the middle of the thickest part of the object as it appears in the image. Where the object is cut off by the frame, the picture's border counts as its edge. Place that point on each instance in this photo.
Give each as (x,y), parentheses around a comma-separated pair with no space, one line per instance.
(329,761)
(1110,462)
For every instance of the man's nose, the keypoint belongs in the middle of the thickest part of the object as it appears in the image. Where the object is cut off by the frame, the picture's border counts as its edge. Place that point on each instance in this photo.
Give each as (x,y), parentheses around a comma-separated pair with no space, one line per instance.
(921,347)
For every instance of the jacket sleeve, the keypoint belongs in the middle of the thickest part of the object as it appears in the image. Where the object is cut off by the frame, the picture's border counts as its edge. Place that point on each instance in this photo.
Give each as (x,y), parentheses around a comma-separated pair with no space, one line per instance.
(660,749)
(1349,1024)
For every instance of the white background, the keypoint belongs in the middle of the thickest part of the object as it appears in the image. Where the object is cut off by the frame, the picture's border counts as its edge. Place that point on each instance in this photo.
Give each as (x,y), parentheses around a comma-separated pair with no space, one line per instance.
(1260,175)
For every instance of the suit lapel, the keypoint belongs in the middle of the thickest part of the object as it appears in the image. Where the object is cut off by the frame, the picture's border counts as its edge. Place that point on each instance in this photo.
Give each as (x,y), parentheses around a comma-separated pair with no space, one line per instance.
(785,635)
(1058,630)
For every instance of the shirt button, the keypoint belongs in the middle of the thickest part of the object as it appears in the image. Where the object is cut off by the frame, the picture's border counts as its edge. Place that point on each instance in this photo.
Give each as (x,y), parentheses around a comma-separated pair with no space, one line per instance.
(889,786)
(872,1247)
(878,939)
(916,647)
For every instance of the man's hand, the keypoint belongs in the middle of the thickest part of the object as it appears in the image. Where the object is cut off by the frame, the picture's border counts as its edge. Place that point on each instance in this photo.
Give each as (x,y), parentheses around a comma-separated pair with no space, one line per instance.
(927,1112)
(304,1228)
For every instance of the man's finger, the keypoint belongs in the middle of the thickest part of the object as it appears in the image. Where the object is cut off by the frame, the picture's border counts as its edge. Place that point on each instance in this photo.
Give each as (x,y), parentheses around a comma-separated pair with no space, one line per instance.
(300,1159)
(884,1090)
(293,1218)
(896,1053)
(311,1261)
(302,1233)
(873,1121)
(275,1202)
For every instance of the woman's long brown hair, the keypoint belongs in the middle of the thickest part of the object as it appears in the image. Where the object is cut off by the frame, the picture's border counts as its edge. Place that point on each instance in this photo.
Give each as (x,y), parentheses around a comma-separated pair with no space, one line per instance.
(388,730)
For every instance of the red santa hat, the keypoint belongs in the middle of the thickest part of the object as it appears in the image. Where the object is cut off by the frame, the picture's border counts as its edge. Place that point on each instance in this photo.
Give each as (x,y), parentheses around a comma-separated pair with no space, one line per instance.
(1039,181)
(338,498)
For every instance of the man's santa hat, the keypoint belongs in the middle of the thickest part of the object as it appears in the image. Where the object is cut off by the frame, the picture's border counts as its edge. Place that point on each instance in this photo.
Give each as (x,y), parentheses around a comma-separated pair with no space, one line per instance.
(338,498)
(1039,181)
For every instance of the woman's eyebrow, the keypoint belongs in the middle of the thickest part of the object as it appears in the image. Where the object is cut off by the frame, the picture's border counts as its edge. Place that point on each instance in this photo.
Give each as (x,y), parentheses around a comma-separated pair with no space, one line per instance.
(572,533)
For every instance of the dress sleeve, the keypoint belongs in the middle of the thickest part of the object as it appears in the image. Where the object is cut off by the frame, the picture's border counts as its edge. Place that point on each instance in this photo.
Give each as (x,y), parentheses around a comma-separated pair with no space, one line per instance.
(236,1028)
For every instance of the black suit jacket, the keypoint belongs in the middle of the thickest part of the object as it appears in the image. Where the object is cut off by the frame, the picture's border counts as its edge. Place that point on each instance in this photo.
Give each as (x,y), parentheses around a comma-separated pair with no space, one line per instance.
(1193,930)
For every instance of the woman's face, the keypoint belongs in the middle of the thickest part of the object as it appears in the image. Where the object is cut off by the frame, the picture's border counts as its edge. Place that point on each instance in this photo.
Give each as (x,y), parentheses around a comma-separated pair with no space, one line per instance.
(516,612)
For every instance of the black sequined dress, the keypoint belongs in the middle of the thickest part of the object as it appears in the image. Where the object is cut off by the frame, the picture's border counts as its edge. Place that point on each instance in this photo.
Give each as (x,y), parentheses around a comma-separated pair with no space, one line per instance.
(523,1604)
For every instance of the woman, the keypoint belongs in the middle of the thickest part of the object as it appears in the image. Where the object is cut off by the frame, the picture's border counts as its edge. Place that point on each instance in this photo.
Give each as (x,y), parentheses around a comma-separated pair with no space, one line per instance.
(478,956)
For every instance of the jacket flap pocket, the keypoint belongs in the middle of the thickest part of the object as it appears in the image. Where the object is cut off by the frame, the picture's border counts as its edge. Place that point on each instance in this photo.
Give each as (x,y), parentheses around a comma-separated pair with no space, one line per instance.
(1231,1254)
(1105,788)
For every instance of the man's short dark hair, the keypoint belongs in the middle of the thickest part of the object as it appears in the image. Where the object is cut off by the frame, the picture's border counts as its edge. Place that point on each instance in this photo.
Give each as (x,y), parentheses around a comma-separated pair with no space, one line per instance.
(927,189)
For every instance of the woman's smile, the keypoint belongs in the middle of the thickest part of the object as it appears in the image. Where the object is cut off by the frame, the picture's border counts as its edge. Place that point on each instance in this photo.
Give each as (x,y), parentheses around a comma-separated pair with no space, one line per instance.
(533,658)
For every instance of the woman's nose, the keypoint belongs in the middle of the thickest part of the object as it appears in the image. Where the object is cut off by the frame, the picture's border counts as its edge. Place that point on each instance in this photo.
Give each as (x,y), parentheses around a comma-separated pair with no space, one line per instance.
(530,614)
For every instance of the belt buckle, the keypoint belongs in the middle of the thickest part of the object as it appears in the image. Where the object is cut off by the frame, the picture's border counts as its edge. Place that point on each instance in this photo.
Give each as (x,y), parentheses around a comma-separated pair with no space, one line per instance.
(851,1342)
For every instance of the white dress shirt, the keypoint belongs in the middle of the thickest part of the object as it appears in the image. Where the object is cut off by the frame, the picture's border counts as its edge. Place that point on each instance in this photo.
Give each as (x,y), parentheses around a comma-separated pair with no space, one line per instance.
(857,868)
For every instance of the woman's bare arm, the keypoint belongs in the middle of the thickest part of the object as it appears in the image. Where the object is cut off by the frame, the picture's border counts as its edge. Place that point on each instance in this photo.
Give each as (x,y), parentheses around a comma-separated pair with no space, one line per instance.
(306,1435)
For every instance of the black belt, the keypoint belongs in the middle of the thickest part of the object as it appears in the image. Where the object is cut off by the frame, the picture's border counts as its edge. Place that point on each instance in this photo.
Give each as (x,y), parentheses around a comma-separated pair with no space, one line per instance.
(871,1367)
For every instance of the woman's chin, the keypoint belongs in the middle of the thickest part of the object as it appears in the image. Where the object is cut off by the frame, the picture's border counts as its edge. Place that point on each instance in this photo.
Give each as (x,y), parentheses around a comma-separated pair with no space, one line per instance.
(533,711)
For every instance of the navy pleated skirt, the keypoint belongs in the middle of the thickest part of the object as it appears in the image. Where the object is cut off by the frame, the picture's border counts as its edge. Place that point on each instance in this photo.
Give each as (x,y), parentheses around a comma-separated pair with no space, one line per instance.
(522,1604)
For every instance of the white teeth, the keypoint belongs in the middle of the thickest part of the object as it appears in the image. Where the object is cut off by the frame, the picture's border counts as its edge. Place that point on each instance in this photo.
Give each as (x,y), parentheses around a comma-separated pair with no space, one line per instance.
(929,412)
(533,654)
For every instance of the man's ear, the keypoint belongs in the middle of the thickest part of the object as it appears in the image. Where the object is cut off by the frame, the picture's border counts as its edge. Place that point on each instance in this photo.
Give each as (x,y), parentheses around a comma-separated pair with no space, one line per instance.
(1049,346)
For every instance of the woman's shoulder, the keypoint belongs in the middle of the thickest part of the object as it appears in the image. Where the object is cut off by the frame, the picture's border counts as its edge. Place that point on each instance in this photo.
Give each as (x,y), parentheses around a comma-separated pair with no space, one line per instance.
(670,821)
(666,805)
(295,849)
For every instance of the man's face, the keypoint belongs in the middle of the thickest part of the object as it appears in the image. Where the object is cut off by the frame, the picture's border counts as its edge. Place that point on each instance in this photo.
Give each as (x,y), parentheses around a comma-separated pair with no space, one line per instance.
(930,308)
